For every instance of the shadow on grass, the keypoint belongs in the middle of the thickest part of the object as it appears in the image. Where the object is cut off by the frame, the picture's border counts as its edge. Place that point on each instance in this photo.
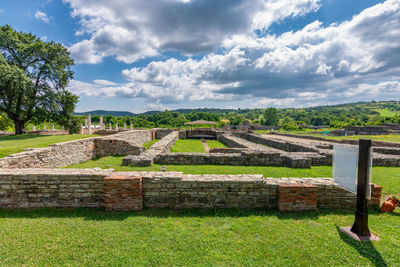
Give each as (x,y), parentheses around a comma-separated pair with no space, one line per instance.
(98,214)
(366,249)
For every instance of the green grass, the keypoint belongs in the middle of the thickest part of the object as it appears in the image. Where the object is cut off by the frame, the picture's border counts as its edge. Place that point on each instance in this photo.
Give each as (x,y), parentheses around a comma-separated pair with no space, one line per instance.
(210,237)
(188,145)
(387,177)
(215,144)
(17,143)
(149,144)
(387,113)
(387,138)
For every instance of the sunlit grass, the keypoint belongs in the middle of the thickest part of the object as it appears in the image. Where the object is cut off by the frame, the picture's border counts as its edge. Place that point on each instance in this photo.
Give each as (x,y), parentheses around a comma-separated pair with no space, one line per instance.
(215,144)
(149,144)
(188,145)
(17,143)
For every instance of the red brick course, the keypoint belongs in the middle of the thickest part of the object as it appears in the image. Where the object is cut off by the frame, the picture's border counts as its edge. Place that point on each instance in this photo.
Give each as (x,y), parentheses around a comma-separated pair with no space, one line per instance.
(123,193)
(376,194)
(297,197)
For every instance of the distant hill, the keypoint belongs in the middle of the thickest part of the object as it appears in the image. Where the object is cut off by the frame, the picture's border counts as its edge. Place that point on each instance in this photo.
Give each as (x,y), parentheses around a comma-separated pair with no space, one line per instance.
(384,108)
(127,113)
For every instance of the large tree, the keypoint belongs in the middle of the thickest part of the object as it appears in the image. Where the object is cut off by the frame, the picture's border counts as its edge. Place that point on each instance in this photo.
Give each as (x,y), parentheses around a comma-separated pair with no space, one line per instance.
(33,78)
(271,116)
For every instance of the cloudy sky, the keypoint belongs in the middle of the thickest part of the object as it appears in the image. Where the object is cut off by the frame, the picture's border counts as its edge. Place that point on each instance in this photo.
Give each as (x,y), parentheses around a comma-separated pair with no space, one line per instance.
(140,55)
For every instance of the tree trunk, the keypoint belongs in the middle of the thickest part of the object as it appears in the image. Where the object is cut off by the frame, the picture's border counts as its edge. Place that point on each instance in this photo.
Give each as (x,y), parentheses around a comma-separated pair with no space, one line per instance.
(19,127)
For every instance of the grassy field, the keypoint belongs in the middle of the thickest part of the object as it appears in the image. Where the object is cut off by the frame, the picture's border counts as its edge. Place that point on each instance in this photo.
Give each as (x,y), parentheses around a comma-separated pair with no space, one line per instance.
(387,177)
(387,113)
(215,144)
(188,145)
(17,143)
(157,237)
(387,138)
(149,144)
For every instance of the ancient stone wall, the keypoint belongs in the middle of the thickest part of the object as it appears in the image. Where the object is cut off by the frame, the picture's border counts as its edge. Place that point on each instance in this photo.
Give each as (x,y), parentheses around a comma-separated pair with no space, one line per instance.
(139,137)
(236,159)
(177,191)
(33,188)
(278,144)
(78,151)
(147,158)
(113,146)
(56,155)
(161,133)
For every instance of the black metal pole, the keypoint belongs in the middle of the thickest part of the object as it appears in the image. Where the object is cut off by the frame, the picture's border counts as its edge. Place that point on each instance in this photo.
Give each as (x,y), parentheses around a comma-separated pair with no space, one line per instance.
(360,226)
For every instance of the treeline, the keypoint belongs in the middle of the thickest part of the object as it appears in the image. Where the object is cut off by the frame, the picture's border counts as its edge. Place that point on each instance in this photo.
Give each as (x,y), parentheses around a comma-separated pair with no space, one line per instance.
(339,116)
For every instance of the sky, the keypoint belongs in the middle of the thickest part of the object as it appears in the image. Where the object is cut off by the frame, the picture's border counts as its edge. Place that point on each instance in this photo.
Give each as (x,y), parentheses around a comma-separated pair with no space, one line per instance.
(135,55)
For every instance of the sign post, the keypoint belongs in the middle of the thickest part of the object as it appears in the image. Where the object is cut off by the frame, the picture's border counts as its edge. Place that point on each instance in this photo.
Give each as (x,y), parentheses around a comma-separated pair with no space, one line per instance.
(360,230)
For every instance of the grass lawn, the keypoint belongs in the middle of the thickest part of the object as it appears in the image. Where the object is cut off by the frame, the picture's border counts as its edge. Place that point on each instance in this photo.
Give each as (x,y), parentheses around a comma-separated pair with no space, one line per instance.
(210,237)
(215,144)
(387,177)
(149,144)
(387,113)
(188,145)
(17,143)
(387,138)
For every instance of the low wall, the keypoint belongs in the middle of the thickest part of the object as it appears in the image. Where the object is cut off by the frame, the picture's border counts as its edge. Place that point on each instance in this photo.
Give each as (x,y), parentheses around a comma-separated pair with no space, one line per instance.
(236,159)
(78,151)
(56,155)
(139,137)
(147,158)
(115,146)
(278,144)
(343,141)
(35,188)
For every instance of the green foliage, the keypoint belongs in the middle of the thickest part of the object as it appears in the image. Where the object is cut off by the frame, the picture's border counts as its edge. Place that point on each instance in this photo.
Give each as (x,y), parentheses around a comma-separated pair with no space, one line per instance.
(33,78)
(291,126)
(5,123)
(271,116)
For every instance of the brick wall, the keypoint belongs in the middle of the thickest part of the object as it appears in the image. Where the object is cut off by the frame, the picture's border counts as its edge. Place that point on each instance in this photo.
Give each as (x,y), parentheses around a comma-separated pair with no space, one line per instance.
(123,193)
(32,188)
(297,197)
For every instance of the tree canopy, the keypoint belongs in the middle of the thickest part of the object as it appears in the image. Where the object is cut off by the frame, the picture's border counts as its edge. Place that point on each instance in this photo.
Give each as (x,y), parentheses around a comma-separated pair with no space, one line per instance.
(33,78)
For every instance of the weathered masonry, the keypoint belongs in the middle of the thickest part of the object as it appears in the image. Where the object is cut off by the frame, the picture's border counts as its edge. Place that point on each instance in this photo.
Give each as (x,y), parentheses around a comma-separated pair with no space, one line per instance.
(73,152)
(131,191)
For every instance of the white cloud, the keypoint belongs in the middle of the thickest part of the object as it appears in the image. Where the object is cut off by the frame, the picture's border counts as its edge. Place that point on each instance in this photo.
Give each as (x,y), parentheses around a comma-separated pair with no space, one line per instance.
(1,11)
(42,16)
(129,30)
(355,60)
(156,107)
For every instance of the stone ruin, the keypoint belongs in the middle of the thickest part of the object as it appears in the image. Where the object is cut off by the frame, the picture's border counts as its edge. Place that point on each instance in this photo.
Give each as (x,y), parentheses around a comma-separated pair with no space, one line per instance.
(33,179)
(248,149)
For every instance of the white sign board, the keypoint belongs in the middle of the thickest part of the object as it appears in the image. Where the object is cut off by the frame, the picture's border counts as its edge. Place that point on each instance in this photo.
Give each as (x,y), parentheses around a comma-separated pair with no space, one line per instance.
(345,165)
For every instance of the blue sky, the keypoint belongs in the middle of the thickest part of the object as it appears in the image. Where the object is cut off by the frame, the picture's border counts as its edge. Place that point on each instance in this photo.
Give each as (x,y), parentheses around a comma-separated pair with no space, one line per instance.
(156,55)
